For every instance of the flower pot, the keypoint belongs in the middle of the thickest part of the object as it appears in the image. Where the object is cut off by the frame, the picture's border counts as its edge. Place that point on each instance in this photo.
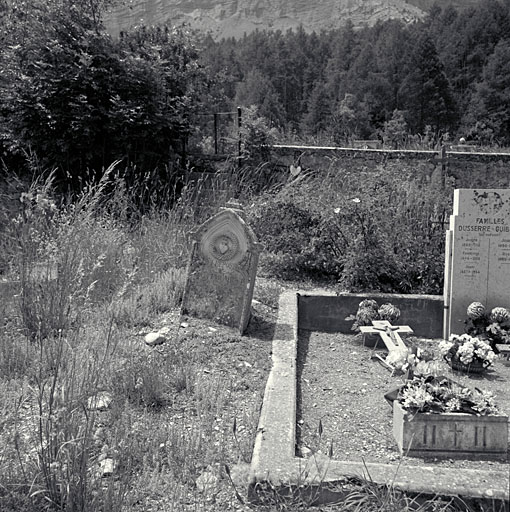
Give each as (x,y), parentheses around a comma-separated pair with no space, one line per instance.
(475,366)
(450,435)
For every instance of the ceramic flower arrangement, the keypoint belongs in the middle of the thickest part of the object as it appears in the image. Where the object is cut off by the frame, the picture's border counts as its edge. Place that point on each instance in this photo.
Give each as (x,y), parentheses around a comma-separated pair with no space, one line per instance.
(492,326)
(412,361)
(402,360)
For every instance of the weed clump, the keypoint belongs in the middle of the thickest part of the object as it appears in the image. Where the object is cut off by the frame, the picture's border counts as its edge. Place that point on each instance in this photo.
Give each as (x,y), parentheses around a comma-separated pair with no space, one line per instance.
(371,230)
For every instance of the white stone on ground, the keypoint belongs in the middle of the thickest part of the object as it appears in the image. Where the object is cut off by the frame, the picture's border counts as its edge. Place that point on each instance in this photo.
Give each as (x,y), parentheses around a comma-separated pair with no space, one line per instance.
(154,339)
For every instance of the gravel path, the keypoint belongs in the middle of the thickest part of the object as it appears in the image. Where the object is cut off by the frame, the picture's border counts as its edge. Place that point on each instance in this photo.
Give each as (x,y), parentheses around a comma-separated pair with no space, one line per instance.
(341,389)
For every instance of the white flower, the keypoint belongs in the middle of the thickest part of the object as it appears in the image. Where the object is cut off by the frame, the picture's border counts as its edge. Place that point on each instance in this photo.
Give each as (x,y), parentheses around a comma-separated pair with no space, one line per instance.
(454,404)
(416,398)
(445,346)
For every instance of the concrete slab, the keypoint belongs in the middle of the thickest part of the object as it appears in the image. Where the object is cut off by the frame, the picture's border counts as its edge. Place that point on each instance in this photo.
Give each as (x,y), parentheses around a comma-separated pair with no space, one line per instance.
(275,466)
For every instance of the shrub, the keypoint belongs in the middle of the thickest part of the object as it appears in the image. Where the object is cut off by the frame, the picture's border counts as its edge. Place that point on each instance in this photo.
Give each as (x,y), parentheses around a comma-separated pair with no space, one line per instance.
(87,99)
(298,241)
(368,230)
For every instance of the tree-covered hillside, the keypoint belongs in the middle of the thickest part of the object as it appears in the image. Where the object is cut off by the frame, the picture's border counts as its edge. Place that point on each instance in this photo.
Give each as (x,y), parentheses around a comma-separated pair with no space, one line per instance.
(74,98)
(445,75)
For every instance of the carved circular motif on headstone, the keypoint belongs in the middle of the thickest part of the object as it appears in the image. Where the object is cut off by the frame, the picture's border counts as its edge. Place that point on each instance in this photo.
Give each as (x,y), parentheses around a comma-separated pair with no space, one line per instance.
(224,240)
(224,246)
(490,203)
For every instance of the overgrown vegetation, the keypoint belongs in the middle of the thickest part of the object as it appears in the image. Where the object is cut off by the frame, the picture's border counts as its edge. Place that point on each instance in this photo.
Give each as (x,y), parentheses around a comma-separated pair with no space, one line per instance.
(91,283)
(376,229)
(95,258)
(86,283)
(79,99)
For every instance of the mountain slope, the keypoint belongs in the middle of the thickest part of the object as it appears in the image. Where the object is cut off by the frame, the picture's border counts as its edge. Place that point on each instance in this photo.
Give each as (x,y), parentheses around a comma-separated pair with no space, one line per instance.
(226,18)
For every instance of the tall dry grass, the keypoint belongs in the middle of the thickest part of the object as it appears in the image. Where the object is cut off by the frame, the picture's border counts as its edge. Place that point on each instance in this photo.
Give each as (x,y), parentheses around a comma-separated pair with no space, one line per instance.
(87,273)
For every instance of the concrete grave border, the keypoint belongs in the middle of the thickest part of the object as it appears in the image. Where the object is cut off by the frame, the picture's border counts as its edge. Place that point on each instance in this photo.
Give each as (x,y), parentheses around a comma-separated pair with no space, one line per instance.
(274,463)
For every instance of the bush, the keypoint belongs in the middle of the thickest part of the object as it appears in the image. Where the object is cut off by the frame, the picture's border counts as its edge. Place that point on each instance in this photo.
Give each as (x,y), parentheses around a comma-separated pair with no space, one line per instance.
(298,240)
(368,230)
(87,99)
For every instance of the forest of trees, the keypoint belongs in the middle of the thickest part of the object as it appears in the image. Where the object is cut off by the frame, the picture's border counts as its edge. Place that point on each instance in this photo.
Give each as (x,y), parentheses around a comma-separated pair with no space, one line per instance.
(448,76)
(74,98)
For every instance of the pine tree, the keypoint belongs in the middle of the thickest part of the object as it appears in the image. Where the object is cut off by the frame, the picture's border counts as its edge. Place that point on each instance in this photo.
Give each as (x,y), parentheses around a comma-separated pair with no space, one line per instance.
(350,119)
(425,92)
(488,117)
(317,120)
(257,89)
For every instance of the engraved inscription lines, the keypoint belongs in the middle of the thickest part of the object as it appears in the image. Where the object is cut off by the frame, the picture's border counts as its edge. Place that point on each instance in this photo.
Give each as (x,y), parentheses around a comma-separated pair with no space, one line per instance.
(429,435)
(455,431)
(480,436)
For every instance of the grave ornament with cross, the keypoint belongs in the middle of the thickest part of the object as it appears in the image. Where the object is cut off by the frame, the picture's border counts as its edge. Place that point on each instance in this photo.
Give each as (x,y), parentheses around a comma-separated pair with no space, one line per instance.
(390,334)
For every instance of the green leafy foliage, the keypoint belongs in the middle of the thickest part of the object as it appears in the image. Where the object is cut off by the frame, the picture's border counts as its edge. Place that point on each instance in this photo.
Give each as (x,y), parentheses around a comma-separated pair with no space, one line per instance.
(487,119)
(80,99)
(297,239)
(395,130)
(433,70)
(256,136)
(368,230)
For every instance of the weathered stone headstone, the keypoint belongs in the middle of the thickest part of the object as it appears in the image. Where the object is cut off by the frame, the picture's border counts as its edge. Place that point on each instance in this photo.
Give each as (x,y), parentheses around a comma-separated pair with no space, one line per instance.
(477,254)
(222,268)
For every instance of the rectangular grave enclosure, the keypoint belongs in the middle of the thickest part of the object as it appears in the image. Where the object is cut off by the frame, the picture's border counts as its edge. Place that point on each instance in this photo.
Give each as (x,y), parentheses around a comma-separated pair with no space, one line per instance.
(274,462)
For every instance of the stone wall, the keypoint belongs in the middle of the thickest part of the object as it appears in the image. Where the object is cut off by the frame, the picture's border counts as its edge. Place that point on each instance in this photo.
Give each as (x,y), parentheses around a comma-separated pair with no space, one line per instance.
(466,169)
(323,312)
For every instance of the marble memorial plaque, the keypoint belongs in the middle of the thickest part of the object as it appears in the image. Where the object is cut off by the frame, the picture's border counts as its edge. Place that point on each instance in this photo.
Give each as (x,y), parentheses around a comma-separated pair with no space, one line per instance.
(477,254)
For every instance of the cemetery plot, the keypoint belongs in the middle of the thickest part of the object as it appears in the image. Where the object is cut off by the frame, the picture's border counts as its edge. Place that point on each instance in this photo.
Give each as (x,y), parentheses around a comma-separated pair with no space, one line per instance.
(341,401)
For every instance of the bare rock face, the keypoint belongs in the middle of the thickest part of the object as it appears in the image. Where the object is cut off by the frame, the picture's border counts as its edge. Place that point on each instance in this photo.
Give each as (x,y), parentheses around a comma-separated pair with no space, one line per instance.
(234,18)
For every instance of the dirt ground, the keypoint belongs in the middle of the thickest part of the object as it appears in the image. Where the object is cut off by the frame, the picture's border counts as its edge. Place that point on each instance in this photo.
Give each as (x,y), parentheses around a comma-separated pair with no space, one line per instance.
(341,401)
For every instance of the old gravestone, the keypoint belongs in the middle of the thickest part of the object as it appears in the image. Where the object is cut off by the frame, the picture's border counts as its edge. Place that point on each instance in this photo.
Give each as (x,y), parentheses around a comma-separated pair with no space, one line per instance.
(477,254)
(222,268)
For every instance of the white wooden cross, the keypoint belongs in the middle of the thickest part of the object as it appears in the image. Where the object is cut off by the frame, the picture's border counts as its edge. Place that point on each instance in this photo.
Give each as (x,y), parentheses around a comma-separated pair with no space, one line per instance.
(390,334)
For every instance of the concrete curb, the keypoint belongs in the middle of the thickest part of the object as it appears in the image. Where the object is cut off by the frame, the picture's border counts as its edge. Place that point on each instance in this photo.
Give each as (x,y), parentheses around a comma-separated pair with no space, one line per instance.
(275,467)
